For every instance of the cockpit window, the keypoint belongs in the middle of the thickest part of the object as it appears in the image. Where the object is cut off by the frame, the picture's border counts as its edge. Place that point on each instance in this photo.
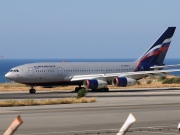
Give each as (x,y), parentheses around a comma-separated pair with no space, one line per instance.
(14,70)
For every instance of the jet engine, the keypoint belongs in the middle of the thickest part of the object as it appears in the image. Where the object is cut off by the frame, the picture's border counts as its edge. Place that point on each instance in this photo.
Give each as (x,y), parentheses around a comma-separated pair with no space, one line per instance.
(123,81)
(94,84)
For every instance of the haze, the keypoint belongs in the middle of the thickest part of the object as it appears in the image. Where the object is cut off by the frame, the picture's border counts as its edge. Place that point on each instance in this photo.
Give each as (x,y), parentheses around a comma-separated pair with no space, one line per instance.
(85,28)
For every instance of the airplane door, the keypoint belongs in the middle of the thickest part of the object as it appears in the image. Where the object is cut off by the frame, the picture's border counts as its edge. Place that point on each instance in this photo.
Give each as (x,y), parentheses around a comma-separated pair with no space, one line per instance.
(60,71)
(30,71)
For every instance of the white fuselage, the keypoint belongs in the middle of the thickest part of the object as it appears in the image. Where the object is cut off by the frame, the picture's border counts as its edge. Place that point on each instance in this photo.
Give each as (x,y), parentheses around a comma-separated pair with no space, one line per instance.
(48,73)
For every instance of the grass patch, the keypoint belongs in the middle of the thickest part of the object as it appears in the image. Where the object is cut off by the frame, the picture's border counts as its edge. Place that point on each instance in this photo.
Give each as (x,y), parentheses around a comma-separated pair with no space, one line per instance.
(33,102)
(161,78)
(149,81)
(138,82)
(8,85)
(171,80)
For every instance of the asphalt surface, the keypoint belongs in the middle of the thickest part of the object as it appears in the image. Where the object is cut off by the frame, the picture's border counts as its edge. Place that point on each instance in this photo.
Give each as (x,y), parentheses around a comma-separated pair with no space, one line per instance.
(155,114)
(111,93)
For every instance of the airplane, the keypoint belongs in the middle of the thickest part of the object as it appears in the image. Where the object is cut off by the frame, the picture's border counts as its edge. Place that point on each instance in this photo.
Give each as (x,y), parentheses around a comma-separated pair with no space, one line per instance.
(95,75)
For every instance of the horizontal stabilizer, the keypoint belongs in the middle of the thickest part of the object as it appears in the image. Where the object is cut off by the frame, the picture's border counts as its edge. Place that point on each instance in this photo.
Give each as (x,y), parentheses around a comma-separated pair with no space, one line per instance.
(166,66)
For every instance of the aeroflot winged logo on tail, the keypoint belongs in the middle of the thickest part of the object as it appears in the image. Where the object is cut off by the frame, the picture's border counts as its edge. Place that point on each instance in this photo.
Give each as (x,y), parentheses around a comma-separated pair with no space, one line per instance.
(156,53)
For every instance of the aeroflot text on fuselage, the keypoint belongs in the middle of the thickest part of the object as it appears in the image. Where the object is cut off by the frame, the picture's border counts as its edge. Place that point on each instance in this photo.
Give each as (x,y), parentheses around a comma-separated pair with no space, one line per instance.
(46,66)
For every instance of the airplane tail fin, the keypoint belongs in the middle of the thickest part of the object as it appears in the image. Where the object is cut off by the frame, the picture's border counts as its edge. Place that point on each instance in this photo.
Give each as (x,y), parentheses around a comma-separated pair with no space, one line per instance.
(156,53)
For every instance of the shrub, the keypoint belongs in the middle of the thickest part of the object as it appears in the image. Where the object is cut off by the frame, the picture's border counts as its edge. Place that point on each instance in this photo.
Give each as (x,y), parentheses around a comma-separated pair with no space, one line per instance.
(176,80)
(161,78)
(168,81)
(149,82)
(138,82)
(82,93)
(171,80)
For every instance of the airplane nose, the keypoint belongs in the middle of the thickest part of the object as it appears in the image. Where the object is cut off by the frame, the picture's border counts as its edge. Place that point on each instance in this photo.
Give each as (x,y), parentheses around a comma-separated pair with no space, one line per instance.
(9,76)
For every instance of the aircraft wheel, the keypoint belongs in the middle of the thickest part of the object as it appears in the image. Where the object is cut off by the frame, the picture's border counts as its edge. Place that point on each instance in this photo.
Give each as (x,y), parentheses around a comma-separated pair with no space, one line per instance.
(77,89)
(93,90)
(32,91)
(106,89)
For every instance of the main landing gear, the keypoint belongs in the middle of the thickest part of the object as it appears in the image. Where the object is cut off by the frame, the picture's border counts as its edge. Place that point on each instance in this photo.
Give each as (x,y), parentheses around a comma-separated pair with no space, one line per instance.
(32,90)
(78,88)
(93,90)
(101,90)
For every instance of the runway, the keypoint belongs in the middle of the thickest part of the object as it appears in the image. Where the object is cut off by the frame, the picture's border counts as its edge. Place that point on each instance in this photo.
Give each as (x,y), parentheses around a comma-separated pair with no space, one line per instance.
(155,115)
(112,93)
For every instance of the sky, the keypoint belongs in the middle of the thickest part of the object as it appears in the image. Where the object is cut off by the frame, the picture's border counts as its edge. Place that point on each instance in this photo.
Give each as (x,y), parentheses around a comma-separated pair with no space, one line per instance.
(73,29)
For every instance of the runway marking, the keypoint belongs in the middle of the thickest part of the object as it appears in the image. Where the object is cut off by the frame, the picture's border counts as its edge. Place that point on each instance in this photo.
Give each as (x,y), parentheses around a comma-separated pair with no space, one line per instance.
(100,130)
(157,132)
(100,107)
(155,126)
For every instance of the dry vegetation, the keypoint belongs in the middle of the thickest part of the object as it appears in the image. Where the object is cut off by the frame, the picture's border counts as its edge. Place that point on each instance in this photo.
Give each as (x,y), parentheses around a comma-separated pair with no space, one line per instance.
(21,87)
(143,84)
(30,102)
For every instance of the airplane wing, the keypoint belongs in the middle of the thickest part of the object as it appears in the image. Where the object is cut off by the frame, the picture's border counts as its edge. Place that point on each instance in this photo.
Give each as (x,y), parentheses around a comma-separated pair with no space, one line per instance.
(134,75)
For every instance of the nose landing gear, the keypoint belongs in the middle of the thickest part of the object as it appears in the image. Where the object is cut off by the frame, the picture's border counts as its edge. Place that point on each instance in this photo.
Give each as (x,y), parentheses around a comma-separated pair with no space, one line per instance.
(32,90)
